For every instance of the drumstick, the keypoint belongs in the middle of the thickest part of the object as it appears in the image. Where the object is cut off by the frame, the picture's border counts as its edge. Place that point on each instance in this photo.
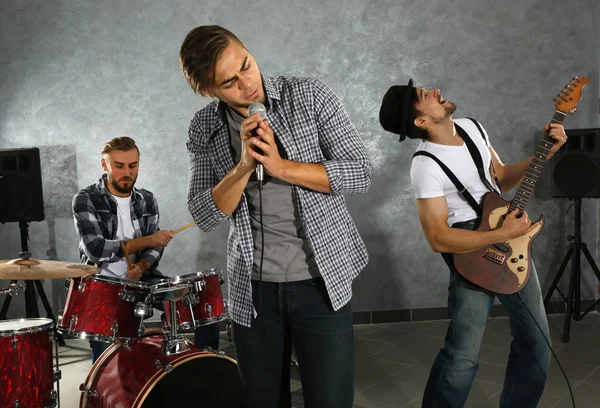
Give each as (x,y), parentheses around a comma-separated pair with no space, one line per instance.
(126,254)
(186,226)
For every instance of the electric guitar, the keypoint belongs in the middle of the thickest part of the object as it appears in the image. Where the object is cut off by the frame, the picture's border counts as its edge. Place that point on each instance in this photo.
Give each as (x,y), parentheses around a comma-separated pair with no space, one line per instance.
(505,267)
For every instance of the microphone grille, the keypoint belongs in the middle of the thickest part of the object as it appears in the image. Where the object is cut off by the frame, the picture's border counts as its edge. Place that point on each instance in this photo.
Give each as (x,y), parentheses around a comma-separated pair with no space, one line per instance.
(257,108)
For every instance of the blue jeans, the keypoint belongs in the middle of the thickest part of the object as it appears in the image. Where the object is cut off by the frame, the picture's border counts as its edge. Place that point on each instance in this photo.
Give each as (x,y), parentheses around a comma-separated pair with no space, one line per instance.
(301,314)
(456,364)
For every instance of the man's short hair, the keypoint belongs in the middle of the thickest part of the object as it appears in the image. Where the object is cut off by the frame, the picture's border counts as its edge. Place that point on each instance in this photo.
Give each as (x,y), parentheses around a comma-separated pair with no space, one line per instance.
(413,131)
(200,52)
(122,143)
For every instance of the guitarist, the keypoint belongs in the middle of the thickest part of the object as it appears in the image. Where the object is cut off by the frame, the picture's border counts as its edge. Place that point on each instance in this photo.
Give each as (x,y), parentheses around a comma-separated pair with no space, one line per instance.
(447,220)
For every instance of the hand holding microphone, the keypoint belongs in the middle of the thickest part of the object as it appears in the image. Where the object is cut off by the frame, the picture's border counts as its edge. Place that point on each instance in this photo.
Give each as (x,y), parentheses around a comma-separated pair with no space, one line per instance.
(258,142)
(262,112)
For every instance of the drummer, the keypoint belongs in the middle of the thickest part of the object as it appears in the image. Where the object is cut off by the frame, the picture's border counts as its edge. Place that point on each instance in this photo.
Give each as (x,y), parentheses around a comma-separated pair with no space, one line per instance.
(111,211)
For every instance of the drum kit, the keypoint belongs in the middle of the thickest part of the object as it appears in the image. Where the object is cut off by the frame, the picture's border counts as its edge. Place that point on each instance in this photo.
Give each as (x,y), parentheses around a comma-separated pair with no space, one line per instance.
(142,367)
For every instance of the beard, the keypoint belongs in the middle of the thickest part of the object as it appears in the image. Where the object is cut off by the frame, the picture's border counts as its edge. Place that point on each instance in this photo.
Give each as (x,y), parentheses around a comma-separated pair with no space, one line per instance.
(119,188)
(449,109)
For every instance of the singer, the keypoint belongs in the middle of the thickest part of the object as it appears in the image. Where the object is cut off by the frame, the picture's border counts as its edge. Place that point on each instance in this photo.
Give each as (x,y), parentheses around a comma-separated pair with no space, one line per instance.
(312,156)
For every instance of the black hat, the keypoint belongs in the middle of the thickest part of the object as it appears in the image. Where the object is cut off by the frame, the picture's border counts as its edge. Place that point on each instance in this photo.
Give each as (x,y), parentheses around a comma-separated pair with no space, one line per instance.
(395,108)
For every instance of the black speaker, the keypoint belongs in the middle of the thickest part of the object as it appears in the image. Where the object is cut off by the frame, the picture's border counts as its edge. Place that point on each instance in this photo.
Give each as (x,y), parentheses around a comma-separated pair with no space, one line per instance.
(576,165)
(21,185)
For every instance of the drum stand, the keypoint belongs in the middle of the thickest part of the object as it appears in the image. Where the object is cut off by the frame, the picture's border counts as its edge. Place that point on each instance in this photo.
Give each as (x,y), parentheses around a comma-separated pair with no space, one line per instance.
(31,307)
(175,343)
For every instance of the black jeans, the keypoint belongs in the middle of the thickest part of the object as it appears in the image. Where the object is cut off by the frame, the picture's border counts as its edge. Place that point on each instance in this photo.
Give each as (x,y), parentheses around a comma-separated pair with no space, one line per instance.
(298,314)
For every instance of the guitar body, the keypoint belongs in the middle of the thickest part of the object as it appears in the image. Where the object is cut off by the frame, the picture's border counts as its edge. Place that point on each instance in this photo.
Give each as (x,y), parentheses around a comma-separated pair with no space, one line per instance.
(503,268)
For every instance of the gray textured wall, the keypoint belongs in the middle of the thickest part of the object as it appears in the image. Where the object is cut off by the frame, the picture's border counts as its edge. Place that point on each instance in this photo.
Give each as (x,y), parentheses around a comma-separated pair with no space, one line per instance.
(77,73)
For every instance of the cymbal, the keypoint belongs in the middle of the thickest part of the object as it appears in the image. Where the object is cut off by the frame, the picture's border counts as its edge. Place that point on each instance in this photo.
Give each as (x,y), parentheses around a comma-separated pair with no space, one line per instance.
(30,269)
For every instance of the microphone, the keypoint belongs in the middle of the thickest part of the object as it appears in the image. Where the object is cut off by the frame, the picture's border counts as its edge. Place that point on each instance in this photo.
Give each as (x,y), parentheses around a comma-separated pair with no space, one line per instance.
(262,111)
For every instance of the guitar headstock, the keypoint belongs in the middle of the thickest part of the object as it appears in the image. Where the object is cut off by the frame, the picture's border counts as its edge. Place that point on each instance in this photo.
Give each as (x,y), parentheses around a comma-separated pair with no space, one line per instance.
(568,98)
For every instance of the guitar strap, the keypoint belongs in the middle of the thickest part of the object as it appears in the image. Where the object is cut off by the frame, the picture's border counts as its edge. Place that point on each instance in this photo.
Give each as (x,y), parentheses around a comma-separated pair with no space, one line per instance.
(459,186)
(477,159)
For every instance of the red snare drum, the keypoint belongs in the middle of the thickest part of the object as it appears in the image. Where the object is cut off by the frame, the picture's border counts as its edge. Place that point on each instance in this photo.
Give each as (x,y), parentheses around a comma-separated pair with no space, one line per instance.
(26,372)
(103,308)
(139,375)
(203,304)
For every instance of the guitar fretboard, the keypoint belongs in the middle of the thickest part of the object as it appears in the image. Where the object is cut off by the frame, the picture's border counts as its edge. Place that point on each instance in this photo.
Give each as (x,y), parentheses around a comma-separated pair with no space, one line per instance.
(525,190)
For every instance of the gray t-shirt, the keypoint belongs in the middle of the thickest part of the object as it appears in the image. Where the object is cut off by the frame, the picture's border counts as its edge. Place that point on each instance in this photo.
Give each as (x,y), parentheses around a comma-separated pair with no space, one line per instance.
(287,255)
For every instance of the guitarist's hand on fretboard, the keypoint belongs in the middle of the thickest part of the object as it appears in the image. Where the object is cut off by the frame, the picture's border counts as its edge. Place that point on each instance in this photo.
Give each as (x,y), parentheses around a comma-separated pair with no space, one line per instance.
(557,132)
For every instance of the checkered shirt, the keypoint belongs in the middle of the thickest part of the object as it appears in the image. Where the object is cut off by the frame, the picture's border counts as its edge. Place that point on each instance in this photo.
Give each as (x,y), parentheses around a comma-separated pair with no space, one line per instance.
(312,126)
(95,215)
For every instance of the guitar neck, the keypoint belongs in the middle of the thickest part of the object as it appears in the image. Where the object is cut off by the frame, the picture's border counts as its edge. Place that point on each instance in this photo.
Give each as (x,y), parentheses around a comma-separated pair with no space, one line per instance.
(525,190)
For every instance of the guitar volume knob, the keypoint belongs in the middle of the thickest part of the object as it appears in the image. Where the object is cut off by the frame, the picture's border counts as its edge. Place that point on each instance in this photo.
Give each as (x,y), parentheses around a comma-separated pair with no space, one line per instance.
(514,260)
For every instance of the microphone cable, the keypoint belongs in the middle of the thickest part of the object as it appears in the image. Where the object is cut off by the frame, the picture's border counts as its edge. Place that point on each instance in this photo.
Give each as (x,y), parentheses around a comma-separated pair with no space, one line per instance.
(550,347)
(262,245)
(531,314)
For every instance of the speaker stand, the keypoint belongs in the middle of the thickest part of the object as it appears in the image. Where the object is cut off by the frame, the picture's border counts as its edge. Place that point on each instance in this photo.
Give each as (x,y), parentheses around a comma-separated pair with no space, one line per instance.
(31,306)
(573,298)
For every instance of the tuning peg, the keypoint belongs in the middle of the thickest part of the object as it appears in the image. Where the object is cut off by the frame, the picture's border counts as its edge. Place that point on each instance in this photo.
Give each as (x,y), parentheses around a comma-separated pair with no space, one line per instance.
(575,78)
(554,99)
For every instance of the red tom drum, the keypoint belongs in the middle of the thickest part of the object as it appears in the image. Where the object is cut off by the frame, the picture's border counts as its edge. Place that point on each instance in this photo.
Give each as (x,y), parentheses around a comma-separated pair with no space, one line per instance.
(103,308)
(202,305)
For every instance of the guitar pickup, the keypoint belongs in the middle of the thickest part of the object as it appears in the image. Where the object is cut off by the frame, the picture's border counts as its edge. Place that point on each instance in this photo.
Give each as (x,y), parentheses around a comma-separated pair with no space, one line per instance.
(494,256)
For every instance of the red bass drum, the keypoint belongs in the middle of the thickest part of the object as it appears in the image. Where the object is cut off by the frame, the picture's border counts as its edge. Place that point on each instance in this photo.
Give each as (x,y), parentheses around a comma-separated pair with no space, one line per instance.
(139,375)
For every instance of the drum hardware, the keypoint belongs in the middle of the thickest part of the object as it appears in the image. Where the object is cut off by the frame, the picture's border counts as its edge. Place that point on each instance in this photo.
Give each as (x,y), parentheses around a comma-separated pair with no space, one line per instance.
(167,367)
(190,299)
(128,295)
(143,310)
(141,329)
(115,329)
(72,321)
(53,398)
(57,374)
(87,392)
(228,330)
(174,343)
(14,289)
(81,286)
(209,349)
(200,285)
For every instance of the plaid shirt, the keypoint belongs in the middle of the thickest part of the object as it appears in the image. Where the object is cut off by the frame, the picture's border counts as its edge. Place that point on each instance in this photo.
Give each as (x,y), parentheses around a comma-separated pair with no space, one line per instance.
(95,214)
(312,126)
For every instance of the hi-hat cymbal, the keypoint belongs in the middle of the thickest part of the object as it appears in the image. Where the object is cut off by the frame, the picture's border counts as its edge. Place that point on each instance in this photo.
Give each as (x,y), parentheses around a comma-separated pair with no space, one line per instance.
(30,269)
